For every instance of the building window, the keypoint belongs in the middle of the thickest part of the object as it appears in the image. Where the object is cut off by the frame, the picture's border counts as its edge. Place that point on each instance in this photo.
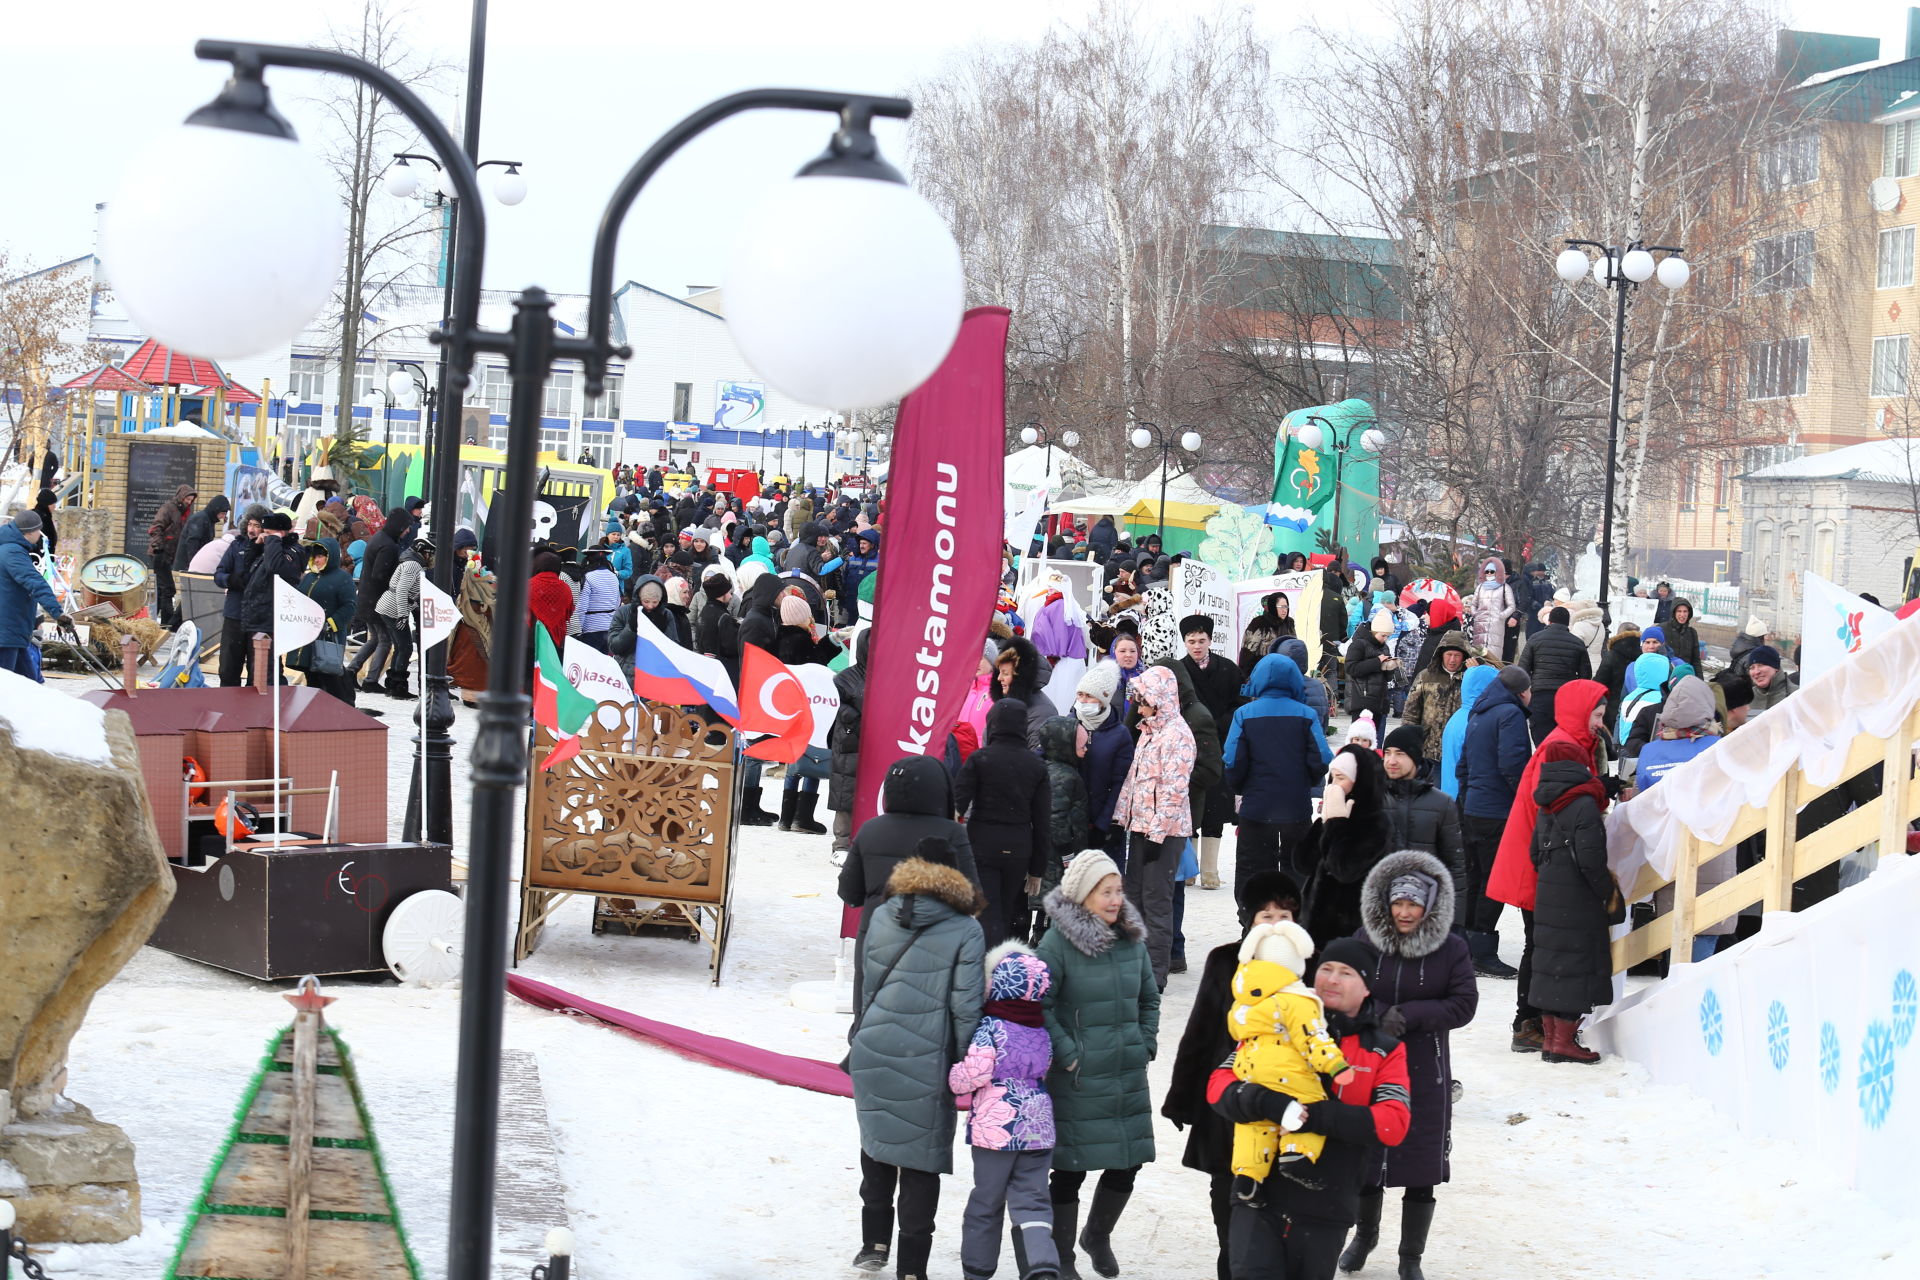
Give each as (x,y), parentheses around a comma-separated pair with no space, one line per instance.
(682,402)
(364,372)
(495,389)
(1900,150)
(600,445)
(1689,485)
(1896,259)
(307,380)
(1793,160)
(303,432)
(1783,263)
(404,431)
(608,405)
(559,398)
(1889,366)
(554,440)
(1722,483)
(1777,369)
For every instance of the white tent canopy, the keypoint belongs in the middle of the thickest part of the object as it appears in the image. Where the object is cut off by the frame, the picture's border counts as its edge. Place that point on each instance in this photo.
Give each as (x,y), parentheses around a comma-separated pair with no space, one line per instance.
(1026,469)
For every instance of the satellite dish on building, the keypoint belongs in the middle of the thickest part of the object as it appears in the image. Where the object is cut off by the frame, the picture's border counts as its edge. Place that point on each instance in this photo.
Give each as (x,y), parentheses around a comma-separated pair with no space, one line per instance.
(1884,194)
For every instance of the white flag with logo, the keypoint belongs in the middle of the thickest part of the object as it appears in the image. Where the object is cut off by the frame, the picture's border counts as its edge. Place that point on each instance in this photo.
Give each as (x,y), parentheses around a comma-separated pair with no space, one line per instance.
(298,619)
(438,614)
(599,677)
(1835,625)
(817,680)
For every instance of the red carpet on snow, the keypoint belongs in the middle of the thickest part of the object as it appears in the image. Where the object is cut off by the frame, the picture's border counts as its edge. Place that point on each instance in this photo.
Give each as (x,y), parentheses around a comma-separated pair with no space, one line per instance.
(781,1068)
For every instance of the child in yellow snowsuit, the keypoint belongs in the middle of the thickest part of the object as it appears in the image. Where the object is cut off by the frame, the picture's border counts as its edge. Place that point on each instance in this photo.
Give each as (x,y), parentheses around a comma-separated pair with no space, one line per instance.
(1281,1028)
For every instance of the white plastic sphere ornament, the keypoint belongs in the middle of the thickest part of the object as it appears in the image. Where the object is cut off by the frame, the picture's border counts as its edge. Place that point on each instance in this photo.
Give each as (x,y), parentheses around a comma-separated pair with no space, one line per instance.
(1140,437)
(1190,441)
(1571,265)
(1637,266)
(1674,272)
(1373,440)
(1029,436)
(215,277)
(402,181)
(1310,436)
(845,290)
(510,188)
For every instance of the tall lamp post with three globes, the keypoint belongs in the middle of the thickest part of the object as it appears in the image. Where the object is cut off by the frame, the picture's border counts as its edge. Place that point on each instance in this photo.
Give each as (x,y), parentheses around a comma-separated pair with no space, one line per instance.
(1147,435)
(845,289)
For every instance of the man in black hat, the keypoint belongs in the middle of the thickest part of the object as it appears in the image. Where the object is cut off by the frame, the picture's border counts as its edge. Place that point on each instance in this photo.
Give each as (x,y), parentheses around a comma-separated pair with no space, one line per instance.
(1216,680)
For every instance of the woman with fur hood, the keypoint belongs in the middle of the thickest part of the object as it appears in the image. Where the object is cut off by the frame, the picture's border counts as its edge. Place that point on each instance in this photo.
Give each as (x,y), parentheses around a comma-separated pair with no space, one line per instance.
(1103,1017)
(1021,673)
(924,977)
(1351,834)
(1425,977)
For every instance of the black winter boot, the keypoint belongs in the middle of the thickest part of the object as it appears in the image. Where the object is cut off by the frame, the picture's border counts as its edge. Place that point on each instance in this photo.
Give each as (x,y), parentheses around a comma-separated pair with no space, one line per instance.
(1416,1217)
(1066,1224)
(787,800)
(1485,949)
(911,1260)
(1103,1215)
(751,814)
(803,806)
(1366,1231)
(876,1226)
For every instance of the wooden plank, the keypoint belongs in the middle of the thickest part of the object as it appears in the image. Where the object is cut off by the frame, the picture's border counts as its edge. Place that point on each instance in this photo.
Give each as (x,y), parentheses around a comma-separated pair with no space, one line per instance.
(306,1051)
(1863,753)
(1733,894)
(249,1247)
(530,1196)
(1782,807)
(334,1114)
(1896,763)
(329,1055)
(1644,943)
(1836,840)
(255,1175)
(1684,888)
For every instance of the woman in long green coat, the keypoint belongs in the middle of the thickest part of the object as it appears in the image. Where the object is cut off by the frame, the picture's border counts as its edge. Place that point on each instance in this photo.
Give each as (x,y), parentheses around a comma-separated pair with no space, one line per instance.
(1103,1016)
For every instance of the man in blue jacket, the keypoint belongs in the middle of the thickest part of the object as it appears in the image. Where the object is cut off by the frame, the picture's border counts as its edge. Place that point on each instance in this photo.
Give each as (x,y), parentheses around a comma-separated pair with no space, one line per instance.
(1494,756)
(1275,753)
(21,589)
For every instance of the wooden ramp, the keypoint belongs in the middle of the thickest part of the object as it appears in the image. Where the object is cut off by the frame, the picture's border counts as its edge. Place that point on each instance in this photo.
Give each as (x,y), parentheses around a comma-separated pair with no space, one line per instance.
(298,1192)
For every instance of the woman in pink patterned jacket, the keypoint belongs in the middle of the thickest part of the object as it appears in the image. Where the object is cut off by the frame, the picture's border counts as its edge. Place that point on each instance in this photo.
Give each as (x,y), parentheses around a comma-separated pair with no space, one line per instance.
(1154,808)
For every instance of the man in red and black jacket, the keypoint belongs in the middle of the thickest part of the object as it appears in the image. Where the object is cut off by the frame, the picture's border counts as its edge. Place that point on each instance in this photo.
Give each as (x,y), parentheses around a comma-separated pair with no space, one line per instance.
(1296,1234)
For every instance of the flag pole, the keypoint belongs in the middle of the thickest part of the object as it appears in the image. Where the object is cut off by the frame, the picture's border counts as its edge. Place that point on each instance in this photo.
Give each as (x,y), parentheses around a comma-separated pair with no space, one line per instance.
(273,687)
(421,709)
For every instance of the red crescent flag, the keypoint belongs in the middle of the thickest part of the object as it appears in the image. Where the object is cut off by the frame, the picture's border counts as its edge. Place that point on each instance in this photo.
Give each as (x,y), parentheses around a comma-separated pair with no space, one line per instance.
(772,700)
(940,574)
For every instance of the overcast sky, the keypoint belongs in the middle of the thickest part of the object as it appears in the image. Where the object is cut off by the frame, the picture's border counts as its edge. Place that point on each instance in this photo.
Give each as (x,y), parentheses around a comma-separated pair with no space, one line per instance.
(574,88)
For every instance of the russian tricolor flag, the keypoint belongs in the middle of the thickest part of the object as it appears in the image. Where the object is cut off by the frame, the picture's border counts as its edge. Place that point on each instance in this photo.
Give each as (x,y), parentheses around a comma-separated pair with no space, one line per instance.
(666,672)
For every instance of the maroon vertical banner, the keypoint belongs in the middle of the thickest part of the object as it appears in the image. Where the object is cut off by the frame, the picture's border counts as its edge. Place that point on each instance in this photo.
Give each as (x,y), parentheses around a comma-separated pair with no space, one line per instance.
(940,571)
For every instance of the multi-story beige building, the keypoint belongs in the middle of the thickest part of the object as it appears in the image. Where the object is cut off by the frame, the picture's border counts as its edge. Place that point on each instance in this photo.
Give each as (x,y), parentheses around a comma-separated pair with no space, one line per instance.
(1835,277)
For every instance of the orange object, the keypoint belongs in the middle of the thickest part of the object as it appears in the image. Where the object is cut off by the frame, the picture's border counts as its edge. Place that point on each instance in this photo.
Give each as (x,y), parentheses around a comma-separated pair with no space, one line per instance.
(243,818)
(193,772)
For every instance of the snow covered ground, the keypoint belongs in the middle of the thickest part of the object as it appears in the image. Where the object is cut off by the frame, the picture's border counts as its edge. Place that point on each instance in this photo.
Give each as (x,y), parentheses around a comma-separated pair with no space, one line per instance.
(675,1169)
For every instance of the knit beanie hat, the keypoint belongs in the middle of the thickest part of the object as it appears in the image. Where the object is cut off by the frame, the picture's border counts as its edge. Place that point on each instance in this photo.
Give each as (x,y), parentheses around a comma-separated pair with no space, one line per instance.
(1364,729)
(1653,633)
(1085,873)
(27,521)
(1356,953)
(1764,655)
(1382,622)
(1285,944)
(1416,887)
(1514,680)
(990,653)
(1102,680)
(796,612)
(1410,738)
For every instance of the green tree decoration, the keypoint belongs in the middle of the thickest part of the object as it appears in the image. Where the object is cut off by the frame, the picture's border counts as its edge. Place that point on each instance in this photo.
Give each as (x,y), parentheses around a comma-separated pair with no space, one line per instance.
(1239,543)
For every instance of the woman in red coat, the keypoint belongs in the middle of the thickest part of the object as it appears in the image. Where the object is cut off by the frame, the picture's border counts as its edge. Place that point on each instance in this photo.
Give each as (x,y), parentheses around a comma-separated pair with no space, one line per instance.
(549,600)
(1579,712)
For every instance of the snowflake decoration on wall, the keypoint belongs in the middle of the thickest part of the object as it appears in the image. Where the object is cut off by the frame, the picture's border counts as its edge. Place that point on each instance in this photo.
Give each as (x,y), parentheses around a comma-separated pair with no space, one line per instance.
(1713,1023)
(1906,1003)
(1239,543)
(1876,1074)
(1829,1057)
(1778,1041)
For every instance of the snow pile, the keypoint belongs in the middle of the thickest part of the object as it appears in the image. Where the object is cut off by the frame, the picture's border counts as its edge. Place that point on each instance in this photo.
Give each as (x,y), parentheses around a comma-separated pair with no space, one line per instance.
(44,719)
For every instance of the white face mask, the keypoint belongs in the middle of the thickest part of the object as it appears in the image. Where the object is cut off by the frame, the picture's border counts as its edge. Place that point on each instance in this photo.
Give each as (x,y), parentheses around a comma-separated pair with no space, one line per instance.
(1089,714)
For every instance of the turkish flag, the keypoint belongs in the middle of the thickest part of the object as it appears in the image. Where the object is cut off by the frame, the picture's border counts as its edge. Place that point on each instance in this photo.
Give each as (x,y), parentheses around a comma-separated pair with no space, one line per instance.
(773,701)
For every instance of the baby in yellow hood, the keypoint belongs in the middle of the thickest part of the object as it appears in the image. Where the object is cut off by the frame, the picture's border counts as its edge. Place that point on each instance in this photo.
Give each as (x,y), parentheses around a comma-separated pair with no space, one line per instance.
(1284,1045)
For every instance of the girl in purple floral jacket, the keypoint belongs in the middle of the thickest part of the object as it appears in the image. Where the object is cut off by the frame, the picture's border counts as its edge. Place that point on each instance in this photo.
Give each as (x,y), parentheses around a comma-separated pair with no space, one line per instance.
(1010,1120)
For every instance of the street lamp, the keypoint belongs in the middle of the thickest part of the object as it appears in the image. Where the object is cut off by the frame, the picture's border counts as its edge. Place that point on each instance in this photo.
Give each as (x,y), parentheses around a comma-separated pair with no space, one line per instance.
(864,432)
(917,288)
(1316,432)
(1034,433)
(1148,435)
(1618,268)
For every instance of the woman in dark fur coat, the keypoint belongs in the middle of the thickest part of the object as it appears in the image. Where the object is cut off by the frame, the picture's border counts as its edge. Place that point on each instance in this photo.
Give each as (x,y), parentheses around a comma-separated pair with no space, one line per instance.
(1425,979)
(1352,833)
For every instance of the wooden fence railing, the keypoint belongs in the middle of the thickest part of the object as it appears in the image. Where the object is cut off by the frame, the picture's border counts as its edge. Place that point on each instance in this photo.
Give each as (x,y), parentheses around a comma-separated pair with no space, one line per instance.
(1788,858)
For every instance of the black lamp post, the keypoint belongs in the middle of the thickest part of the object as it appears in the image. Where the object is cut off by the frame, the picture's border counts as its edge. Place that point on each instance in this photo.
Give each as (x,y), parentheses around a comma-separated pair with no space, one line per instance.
(1149,435)
(531,346)
(1618,268)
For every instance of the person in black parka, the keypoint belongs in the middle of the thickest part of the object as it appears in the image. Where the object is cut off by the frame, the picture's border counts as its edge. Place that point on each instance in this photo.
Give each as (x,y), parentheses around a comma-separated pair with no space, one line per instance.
(1025,682)
(843,739)
(202,527)
(1352,833)
(1425,979)
(1575,902)
(1006,800)
(1553,656)
(1267,897)
(918,803)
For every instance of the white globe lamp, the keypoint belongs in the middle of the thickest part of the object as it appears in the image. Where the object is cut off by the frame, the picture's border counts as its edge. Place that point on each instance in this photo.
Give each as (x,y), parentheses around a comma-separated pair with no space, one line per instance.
(1190,441)
(510,188)
(1571,265)
(1070,439)
(402,181)
(220,278)
(1373,440)
(1029,435)
(401,386)
(1140,437)
(1310,435)
(845,287)
(1637,266)
(1601,274)
(1674,272)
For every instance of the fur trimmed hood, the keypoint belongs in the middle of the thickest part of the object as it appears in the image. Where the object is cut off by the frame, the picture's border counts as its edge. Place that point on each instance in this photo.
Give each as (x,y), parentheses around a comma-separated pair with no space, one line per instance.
(1376,906)
(1088,933)
(918,877)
